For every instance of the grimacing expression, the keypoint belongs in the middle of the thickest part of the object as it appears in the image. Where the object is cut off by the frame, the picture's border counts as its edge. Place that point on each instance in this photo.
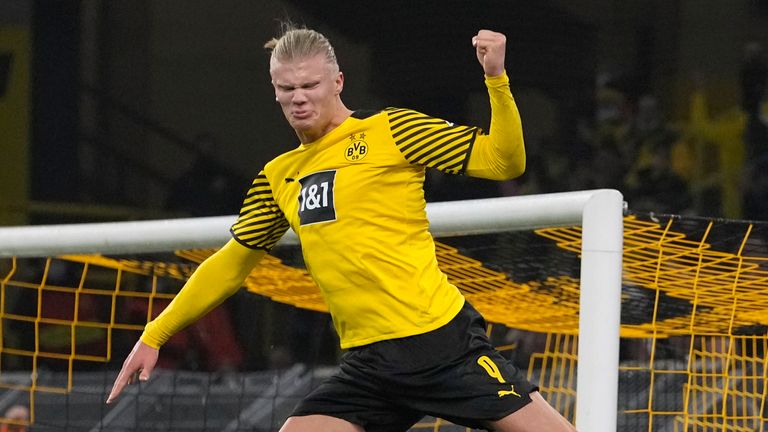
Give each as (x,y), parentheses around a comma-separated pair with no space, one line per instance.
(307,90)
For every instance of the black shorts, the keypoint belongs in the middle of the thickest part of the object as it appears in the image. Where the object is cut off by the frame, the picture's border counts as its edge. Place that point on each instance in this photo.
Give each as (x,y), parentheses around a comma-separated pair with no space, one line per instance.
(453,373)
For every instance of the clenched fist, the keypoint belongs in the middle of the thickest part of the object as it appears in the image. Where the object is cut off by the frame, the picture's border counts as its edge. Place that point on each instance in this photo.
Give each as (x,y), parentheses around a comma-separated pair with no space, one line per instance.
(490,47)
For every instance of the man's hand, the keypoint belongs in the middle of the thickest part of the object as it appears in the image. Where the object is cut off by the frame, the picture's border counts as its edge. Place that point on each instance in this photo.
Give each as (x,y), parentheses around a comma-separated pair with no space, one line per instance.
(490,47)
(139,362)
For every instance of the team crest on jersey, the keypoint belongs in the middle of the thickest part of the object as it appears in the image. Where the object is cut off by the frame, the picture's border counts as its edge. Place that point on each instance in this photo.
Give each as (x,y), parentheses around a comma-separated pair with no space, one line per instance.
(357,148)
(316,202)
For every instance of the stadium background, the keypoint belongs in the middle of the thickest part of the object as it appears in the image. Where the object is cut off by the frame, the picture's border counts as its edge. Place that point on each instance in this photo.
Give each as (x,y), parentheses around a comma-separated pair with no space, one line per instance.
(109,99)
(119,110)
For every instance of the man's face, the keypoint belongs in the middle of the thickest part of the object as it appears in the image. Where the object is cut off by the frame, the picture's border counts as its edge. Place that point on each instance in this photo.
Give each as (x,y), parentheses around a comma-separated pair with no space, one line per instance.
(307,90)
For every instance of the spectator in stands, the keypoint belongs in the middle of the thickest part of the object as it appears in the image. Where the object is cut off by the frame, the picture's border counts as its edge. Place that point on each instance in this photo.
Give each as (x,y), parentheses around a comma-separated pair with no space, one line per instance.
(723,137)
(17,417)
(607,151)
(756,190)
(208,344)
(739,137)
(553,167)
(653,186)
(206,188)
(651,182)
(754,76)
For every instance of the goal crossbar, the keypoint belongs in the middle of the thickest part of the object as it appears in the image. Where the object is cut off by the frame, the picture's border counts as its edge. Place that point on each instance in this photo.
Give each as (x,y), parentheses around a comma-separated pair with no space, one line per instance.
(599,212)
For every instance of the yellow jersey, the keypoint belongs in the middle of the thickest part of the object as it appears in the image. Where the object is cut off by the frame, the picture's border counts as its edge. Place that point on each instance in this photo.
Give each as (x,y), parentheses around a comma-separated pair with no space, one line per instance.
(355,199)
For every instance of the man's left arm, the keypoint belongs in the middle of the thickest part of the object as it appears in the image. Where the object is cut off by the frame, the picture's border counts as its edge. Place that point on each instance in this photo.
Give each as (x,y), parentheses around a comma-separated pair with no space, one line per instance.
(499,155)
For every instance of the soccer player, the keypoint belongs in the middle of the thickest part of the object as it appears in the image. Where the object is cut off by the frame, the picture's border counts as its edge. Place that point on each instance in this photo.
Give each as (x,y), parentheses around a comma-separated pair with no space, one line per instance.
(353,192)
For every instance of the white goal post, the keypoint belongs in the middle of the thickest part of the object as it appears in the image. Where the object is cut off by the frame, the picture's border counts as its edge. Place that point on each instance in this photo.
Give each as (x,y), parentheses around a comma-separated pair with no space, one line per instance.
(599,212)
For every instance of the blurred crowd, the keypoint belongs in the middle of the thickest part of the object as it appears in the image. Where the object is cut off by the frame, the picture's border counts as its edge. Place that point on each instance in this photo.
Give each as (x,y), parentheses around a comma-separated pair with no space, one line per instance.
(709,161)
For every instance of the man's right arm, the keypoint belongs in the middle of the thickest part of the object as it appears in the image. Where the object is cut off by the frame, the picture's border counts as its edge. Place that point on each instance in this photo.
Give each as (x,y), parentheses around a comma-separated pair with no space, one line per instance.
(500,155)
(217,278)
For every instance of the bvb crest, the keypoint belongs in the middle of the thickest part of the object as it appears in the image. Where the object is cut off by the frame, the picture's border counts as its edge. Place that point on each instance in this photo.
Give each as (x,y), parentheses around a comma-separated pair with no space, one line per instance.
(357,148)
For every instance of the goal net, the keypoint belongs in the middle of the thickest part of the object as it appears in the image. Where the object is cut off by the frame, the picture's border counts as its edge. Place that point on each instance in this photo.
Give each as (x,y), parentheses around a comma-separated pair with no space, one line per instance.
(690,357)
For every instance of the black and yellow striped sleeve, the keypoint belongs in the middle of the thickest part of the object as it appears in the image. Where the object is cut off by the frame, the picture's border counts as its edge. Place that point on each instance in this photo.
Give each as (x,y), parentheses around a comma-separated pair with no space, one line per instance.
(430,141)
(261,223)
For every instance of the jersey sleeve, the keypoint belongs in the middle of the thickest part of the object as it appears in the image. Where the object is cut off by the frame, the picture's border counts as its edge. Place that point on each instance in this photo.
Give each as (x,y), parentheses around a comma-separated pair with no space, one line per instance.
(261,223)
(430,141)
(500,154)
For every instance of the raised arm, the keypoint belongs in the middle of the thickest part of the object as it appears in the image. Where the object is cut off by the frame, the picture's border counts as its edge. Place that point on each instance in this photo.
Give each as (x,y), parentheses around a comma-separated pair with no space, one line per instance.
(499,155)
(217,278)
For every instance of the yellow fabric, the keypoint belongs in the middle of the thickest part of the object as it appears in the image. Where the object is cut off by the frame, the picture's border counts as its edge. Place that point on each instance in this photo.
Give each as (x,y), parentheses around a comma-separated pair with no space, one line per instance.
(501,154)
(220,276)
(683,160)
(261,222)
(355,198)
(360,216)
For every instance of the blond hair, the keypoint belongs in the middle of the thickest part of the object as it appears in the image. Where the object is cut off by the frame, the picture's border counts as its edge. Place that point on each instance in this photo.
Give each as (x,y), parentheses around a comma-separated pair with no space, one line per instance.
(301,43)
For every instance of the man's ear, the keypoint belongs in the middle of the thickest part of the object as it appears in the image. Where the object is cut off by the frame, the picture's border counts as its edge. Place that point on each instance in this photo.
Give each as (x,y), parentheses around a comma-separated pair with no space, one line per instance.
(339,83)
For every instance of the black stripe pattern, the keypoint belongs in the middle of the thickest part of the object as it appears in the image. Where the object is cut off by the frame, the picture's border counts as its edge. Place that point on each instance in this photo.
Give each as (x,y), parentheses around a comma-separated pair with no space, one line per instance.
(431,142)
(261,223)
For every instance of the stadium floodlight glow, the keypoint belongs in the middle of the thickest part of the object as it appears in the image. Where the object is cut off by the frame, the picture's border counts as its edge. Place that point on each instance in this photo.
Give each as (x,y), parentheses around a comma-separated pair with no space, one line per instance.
(599,212)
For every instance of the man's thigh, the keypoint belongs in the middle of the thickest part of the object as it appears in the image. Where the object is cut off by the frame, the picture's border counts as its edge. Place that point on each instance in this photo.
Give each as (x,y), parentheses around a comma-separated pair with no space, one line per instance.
(537,416)
(355,401)
(312,423)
